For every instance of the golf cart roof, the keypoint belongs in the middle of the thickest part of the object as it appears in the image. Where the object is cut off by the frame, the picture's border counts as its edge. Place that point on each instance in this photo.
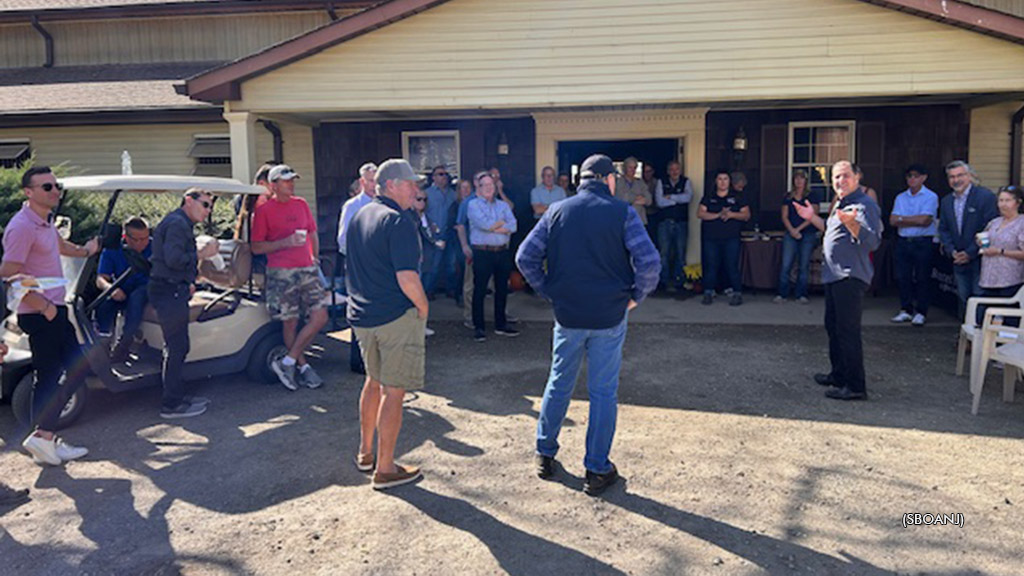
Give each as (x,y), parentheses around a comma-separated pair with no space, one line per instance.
(155,183)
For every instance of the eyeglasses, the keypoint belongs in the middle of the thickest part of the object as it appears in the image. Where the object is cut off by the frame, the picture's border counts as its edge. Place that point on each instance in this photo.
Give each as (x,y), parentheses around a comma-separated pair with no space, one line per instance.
(418,199)
(50,187)
(441,174)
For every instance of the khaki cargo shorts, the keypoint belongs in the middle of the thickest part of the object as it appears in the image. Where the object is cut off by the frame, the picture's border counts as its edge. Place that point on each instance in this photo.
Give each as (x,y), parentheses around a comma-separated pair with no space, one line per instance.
(395,353)
(293,292)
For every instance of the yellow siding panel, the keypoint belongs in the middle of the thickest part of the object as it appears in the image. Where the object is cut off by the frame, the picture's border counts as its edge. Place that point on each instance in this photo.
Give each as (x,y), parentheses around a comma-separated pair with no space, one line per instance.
(529,54)
(140,40)
(990,143)
(155,149)
(21,46)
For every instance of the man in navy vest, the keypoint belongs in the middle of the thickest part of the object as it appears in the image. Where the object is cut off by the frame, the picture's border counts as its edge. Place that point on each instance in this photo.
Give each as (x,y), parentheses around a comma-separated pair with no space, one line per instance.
(600,264)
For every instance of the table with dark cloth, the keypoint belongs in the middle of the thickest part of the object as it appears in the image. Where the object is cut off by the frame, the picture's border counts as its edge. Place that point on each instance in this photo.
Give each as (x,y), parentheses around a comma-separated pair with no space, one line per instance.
(760,261)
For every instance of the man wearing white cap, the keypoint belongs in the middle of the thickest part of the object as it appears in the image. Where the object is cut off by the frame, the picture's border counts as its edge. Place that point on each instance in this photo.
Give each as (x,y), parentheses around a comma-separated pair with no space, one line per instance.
(284,230)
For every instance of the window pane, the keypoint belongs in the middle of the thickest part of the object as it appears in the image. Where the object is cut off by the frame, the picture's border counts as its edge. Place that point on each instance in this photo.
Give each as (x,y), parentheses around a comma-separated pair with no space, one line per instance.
(801,154)
(801,136)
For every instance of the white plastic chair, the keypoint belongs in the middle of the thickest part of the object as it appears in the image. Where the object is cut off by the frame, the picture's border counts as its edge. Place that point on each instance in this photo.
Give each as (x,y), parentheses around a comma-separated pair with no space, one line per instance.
(999,343)
(969,330)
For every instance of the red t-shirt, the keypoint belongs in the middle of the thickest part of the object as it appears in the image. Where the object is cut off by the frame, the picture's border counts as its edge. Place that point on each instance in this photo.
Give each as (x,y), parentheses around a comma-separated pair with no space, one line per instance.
(276,220)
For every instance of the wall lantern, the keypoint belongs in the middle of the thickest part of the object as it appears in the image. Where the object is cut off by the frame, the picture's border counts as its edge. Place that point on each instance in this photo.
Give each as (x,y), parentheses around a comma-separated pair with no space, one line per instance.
(502,145)
(739,143)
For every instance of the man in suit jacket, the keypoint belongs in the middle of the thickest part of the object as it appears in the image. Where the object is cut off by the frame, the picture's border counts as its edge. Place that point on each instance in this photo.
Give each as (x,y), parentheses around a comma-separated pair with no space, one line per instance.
(963,214)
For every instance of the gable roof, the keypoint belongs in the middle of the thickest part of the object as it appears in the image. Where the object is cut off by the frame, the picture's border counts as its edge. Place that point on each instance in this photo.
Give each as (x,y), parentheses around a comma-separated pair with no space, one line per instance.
(223,83)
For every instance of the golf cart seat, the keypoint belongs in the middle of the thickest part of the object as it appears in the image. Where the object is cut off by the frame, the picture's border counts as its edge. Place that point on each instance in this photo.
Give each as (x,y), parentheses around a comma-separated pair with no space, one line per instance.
(209,305)
(238,265)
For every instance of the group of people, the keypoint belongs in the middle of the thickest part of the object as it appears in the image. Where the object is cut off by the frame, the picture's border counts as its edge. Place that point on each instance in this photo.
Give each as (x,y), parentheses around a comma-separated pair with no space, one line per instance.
(590,253)
(978,230)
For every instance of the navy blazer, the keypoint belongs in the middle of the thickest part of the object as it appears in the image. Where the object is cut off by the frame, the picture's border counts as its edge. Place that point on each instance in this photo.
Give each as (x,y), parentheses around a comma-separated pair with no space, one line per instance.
(980,210)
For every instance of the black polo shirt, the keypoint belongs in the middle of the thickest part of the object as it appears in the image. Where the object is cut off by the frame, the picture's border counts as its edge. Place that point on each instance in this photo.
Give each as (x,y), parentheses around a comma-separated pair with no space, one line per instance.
(717,229)
(382,239)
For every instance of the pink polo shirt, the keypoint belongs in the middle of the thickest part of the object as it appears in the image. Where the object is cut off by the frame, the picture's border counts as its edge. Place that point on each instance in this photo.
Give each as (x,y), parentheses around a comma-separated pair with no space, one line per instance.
(35,244)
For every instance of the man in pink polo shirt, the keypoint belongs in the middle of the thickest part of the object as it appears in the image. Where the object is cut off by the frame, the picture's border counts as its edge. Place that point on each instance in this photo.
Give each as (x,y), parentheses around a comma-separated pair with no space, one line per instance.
(32,249)
(284,230)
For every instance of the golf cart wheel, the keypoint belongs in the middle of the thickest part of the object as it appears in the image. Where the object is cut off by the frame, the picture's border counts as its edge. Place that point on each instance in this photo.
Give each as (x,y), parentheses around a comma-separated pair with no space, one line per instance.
(269,349)
(21,403)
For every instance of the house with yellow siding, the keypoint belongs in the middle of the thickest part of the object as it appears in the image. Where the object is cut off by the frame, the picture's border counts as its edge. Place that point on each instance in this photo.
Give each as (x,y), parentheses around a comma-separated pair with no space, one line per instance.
(81,81)
(766,87)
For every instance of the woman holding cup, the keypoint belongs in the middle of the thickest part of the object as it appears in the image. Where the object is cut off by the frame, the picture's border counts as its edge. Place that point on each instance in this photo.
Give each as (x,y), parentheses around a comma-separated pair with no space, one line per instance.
(1002,250)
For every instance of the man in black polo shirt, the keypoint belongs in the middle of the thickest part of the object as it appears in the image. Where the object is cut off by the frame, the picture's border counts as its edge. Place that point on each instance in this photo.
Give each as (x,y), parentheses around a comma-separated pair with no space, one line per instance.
(387,308)
(852,232)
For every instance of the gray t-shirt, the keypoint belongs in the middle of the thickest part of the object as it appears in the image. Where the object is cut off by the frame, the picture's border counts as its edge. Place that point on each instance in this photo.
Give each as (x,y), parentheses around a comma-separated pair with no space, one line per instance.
(381,240)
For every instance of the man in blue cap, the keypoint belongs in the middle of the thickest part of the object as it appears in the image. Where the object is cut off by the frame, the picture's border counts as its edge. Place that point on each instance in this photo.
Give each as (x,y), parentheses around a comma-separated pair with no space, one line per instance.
(600,264)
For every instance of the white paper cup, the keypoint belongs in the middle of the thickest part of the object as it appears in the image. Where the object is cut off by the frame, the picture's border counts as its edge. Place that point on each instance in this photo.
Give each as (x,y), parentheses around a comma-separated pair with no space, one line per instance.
(302,235)
(218,262)
(984,240)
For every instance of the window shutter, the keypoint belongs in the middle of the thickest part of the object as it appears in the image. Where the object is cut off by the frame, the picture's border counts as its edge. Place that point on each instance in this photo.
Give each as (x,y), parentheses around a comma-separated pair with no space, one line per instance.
(774,179)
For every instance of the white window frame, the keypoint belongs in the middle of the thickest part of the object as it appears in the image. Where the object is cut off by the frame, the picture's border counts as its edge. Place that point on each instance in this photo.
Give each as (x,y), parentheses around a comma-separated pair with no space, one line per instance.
(851,125)
(427,170)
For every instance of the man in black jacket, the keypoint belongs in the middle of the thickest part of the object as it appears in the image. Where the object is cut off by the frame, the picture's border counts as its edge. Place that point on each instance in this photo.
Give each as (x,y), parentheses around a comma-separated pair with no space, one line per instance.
(963,214)
(175,263)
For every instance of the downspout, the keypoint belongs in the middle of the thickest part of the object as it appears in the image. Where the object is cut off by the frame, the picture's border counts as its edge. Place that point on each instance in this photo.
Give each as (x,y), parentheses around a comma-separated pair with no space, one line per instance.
(1016,138)
(330,11)
(47,40)
(275,131)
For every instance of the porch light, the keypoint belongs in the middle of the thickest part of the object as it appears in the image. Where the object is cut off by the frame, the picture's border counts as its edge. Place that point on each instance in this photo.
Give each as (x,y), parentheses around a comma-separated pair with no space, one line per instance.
(502,144)
(739,143)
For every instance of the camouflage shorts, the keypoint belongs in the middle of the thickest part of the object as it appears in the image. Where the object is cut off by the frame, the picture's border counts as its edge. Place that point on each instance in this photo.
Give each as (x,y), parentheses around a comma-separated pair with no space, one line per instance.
(293,292)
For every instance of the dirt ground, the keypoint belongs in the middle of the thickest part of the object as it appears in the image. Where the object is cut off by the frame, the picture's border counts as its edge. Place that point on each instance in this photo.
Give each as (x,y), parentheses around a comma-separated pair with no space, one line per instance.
(734,462)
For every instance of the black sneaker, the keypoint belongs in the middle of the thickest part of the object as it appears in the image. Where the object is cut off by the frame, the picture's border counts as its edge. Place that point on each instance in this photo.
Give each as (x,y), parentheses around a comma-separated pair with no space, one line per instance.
(845,393)
(545,465)
(825,380)
(479,335)
(596,483)
(507,331)
(183,410)
(708,299)
(736,299)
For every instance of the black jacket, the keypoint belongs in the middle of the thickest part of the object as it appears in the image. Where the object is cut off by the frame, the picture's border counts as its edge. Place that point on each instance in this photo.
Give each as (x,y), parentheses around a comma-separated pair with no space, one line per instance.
(174,249)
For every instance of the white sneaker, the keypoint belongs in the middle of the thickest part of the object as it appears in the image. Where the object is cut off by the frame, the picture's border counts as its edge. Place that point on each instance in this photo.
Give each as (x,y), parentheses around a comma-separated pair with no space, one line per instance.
(778,300)
(67,452)
(902,317)
(803,300)
(428,332)
(43,451)
(918,320)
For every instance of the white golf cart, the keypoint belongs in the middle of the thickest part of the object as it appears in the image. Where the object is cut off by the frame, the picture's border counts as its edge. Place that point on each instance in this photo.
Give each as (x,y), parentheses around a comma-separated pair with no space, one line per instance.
(230,329)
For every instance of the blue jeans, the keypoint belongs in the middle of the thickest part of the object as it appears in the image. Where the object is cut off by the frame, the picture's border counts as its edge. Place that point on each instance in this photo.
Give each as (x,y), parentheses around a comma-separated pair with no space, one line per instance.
(722,256)
(967,278)
(791,248)
(672,236)
(439,265)
(603,350)
(132,308)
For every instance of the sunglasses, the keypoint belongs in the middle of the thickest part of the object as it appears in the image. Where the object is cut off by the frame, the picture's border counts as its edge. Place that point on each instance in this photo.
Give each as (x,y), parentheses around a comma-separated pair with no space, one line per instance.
(50,187)
(205,203)
(421,199)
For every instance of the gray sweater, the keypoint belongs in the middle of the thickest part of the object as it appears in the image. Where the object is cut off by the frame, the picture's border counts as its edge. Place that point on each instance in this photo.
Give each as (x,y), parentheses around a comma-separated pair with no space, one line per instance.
(847,256)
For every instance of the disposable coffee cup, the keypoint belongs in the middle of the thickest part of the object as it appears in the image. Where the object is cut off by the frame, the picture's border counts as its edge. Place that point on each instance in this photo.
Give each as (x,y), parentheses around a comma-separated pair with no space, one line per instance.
(983,239)
(302,235)
(218,262)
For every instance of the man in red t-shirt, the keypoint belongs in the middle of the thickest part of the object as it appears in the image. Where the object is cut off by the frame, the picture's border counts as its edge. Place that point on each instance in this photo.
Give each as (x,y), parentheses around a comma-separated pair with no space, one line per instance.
(284,230)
